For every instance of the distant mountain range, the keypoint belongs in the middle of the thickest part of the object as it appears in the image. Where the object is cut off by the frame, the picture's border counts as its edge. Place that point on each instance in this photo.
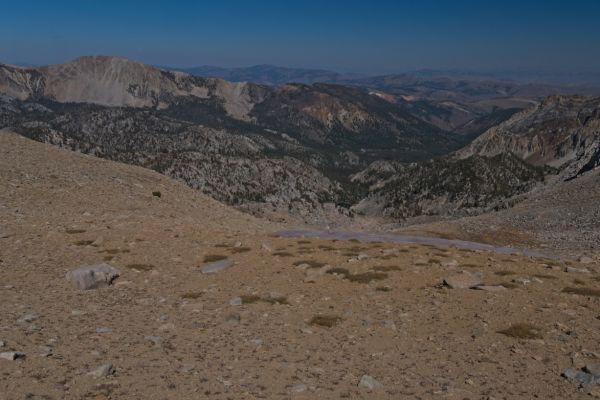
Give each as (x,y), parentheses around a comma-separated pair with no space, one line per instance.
(269,74)
(276,75)
(364,146)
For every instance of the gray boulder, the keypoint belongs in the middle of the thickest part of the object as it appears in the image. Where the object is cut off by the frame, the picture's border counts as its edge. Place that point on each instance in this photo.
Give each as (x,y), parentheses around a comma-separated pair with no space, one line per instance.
(368,382)
(93,276)
(216,267)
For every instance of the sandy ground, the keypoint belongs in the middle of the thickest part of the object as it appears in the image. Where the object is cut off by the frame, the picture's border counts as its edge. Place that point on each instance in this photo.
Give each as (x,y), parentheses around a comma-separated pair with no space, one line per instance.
(171,332)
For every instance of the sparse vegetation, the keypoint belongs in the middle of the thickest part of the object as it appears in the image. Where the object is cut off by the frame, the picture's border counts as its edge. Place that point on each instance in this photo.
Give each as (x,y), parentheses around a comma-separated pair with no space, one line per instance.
(191,295)
(366,277)
(75,231)
(310,263)
(283,254)
(252,299)
(505,273)
(140,267)
(582,291)
(83,242)
(327,321)
(237,250)
(214,258)
(387,268)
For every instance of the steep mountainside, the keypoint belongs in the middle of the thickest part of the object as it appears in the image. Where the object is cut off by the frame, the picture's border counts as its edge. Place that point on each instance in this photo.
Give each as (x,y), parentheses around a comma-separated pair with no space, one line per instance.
(561,131)
(467,106)
(325,114)
(445,186)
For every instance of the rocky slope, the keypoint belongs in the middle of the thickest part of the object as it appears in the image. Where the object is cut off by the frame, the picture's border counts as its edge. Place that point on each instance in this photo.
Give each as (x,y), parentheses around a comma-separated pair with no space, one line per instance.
(290,318)
(563,132)
(445,186)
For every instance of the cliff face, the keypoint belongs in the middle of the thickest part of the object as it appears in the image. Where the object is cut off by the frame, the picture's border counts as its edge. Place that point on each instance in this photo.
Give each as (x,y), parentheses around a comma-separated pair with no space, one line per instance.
(563,132)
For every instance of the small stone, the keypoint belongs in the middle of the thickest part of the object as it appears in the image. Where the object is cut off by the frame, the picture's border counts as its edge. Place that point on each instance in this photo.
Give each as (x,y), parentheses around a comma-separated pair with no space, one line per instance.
(102,371)
(577,270)
(369,383)
(187,368)
(169,326)
(156,340)
(217,266)
(586,260)
(12,355)
(103,330)
(233,318)
(2,343)
(266,248)
(522,281)
(450,264)
(236,301)
(463,280)
(237,244)
(299,388)
(27,318)
(93,276)
(46,351)
(490,288)
(363,256)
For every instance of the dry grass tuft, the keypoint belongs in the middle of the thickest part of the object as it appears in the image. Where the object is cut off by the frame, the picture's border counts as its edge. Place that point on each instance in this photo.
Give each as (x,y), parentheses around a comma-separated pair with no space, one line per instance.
(582,291)
(545,276)
(505,273)
(74,231)
(191,295)
(327,321)
(214,257)
(325,247)
(140,267)
(283,254)
(387,268)
(237,250)
(249,299)
(366,277)
(338,271)
(252,299)
(310,263)
(83,242)
(522,331)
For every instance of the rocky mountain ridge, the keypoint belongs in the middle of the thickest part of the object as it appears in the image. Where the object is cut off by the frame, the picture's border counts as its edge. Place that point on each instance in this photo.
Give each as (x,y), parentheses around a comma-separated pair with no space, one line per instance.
(563,132)
(295,148)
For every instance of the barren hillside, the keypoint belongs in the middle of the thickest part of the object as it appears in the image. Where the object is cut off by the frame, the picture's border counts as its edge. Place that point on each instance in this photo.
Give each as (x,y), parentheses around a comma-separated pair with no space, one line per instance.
(289,318)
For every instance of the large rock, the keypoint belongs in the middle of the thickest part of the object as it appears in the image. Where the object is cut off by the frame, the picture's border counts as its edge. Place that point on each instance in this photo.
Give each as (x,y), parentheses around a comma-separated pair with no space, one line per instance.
(93,276)
(216,267)
(12,355)
(368,382)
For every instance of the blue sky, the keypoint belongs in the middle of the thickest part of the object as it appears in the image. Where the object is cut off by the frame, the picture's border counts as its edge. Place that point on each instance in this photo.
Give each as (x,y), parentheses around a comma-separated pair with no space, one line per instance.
(359,36)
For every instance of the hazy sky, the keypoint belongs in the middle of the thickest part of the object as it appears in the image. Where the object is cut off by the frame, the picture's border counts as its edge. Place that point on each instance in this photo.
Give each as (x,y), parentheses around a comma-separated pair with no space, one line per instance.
(371,36)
